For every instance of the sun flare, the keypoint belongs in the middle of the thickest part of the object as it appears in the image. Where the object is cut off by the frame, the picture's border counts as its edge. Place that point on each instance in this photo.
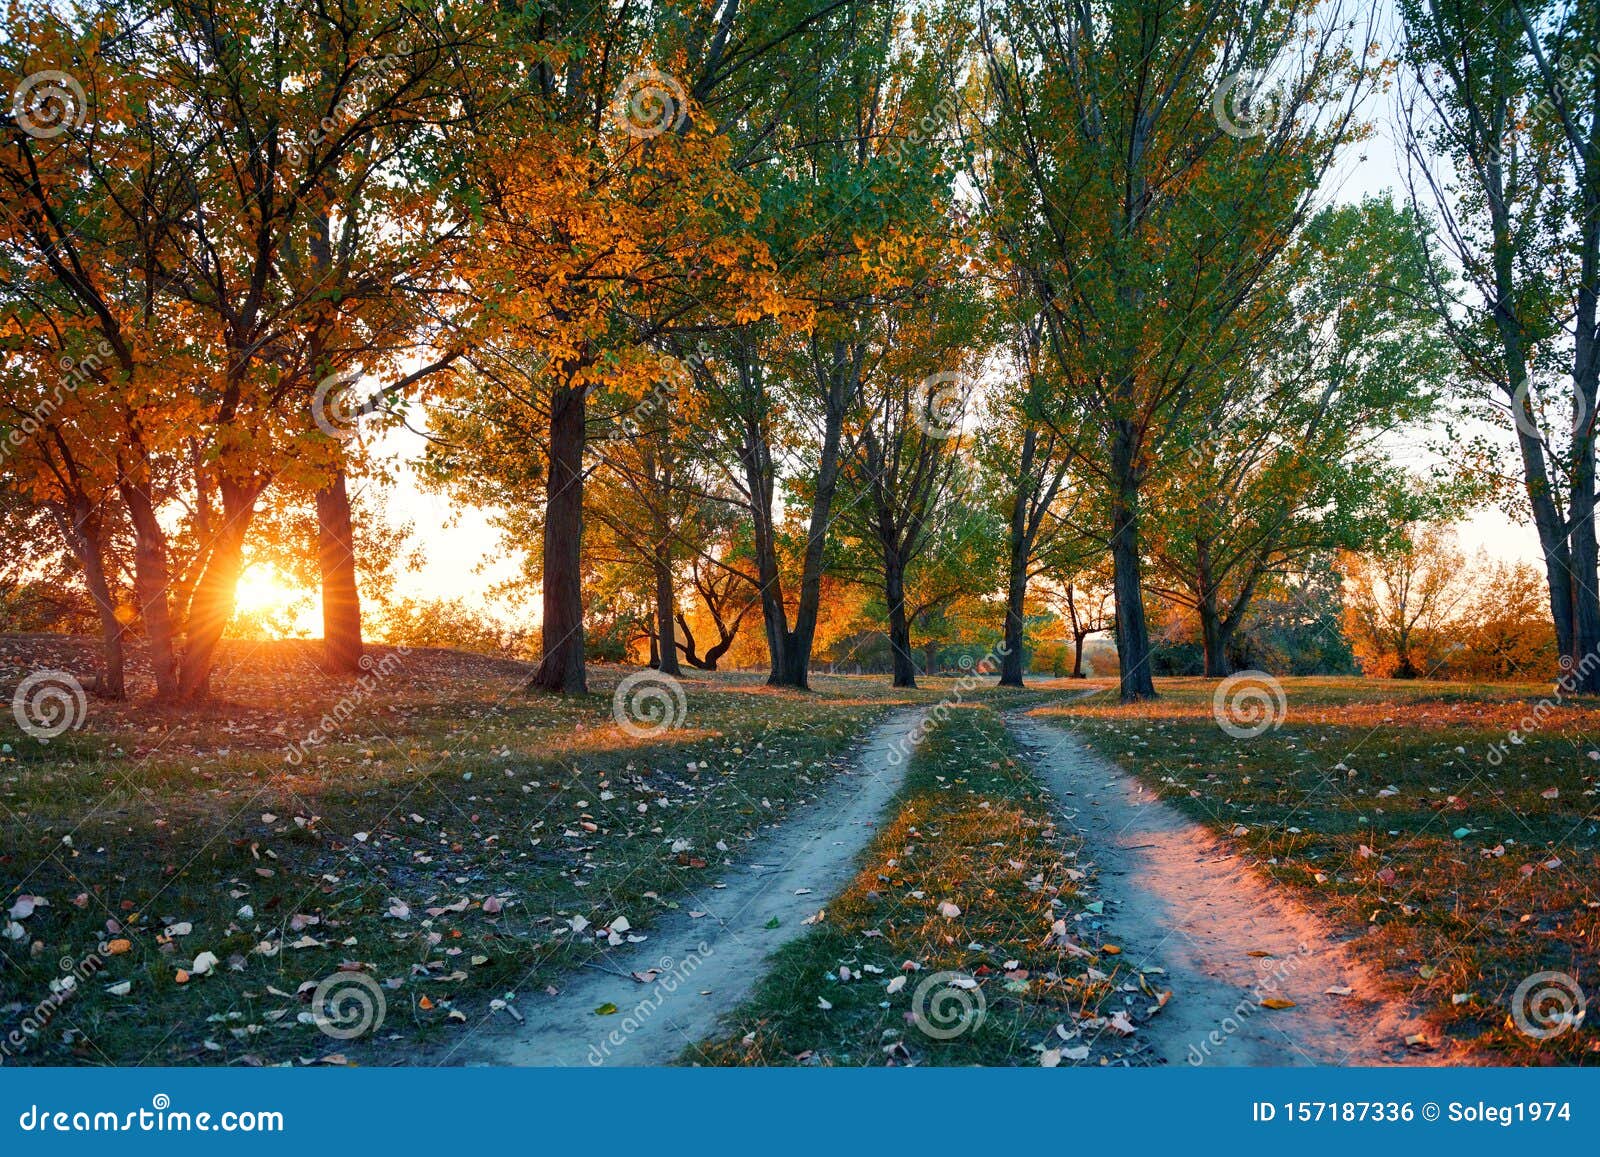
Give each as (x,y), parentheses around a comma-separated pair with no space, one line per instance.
(268,605)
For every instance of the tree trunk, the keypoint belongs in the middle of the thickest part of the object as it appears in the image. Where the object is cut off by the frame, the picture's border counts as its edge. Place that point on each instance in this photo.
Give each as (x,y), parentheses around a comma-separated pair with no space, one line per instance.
(905,670)
(1553,544)
(790,649)
(1077,656)
(666,612)
(1133,637)
(561,666)
(1584,673)
(211,608)
(85,534)
(756,458)
(341,599)
(1016,596)
(1215,637)
(1017,569)
(151,582)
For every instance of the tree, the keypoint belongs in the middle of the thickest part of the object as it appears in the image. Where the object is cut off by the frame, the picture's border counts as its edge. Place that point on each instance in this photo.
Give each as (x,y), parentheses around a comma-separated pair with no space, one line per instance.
(605,195)
(1504,627)
(1290,462)
(1142,210)
(1502,130)
(1399,603)
(1028,456)
(855,201)
(1083,603)
(907,476)
(169,221)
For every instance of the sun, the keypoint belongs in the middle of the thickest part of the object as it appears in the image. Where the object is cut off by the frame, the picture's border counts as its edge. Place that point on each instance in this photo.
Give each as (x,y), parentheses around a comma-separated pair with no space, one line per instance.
(266,605)
(262,591)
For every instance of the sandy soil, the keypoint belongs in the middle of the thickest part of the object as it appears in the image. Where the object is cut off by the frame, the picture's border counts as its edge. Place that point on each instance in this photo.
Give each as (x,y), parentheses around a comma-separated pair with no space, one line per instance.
(1178,898)
(698,968)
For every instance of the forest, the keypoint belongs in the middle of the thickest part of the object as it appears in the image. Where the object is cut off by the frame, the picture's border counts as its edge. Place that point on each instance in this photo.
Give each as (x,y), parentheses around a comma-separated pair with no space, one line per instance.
(867,397)
(941,330)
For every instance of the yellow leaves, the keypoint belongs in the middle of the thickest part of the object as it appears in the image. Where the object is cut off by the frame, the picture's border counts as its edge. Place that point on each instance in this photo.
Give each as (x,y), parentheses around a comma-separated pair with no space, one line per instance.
(1277,1002)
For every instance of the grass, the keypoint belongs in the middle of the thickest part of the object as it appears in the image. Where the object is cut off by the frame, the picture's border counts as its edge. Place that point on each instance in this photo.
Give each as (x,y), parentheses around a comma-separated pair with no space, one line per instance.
(451,832)
(972,829)
(442,841)
(1463,863)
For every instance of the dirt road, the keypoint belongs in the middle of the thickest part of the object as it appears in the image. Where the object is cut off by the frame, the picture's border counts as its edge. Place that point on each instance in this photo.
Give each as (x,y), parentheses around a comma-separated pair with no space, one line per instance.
(699,967)
(1177,898)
